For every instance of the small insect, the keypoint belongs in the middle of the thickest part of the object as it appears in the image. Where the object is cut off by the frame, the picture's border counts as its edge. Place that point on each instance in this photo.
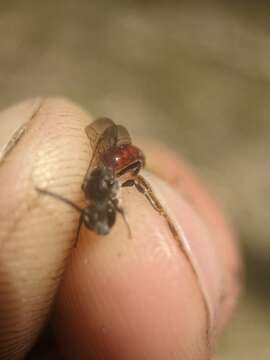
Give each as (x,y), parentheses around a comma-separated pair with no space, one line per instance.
(115,163)
(115,159)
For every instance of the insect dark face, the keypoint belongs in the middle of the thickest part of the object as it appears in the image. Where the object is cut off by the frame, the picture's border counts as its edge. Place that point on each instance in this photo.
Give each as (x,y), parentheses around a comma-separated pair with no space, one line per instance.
(102,185)
(99,217)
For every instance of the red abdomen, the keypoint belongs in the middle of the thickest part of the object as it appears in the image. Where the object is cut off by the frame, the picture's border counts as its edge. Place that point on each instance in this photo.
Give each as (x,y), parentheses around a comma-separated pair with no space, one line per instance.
(123,157)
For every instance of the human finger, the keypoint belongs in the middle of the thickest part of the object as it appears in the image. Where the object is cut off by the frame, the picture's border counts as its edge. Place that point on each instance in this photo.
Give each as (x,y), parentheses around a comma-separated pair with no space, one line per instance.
(49,149)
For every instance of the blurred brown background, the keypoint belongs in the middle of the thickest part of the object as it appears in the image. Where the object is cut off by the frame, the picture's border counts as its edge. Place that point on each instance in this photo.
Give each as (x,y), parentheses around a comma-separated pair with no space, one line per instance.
(195,75)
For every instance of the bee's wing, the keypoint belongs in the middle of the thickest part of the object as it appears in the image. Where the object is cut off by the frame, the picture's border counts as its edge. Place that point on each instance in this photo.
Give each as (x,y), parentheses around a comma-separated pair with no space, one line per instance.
(102,134)
(96,129)
(123,136)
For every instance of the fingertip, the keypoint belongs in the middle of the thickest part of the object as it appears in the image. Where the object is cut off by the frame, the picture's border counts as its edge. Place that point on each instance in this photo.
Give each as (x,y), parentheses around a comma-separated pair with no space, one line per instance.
(179,174)
(132,298)
(37,232)
(154,296)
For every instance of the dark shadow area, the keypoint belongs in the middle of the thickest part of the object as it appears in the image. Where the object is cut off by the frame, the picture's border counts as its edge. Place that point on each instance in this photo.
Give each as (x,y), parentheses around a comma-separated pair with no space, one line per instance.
(258,274)
(45,348)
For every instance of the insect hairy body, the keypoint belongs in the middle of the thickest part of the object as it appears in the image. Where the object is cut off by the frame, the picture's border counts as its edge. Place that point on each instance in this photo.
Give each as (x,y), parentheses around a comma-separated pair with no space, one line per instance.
(101,190)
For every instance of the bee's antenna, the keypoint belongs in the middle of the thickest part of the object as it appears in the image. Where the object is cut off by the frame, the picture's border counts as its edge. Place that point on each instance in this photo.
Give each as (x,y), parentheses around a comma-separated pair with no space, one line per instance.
(59,197)
(121,211)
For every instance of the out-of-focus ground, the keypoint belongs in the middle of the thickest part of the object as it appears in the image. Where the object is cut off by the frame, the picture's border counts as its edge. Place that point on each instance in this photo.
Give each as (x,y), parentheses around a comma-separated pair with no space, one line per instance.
(195,75)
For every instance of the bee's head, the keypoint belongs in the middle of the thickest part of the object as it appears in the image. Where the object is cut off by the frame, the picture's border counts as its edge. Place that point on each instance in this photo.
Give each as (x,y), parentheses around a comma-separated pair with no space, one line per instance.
(102,184)
(99,219)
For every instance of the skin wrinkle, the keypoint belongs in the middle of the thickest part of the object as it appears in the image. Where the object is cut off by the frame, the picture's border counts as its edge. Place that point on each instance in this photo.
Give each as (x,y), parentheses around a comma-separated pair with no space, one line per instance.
(30,206)
(16,220)
(235,274)
(51,151)
(175,233)
(18,134)
(185,183)
(189,256)
(3,160)
(212,318)
(50,154)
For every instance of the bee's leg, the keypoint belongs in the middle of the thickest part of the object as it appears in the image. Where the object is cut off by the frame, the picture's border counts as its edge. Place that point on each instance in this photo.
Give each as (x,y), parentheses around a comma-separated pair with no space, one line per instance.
(128,183)
(79,228)
(85,181)
(68,202)
(122,213)
(144,188)
(59,197)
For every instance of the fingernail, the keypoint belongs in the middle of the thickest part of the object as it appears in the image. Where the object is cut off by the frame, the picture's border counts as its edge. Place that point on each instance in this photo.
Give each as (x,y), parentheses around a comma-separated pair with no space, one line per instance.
(13,127)
(196,243)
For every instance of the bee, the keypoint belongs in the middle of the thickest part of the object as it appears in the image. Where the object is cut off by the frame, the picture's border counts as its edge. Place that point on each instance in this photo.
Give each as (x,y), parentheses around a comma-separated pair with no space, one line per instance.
(115,163)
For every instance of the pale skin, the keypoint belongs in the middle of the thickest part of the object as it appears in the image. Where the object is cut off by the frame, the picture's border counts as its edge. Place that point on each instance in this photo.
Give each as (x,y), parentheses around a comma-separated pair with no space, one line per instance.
(119,297)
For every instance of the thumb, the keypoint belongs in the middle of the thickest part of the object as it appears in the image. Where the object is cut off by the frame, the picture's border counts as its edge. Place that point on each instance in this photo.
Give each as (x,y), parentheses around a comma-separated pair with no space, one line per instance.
(33,254)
